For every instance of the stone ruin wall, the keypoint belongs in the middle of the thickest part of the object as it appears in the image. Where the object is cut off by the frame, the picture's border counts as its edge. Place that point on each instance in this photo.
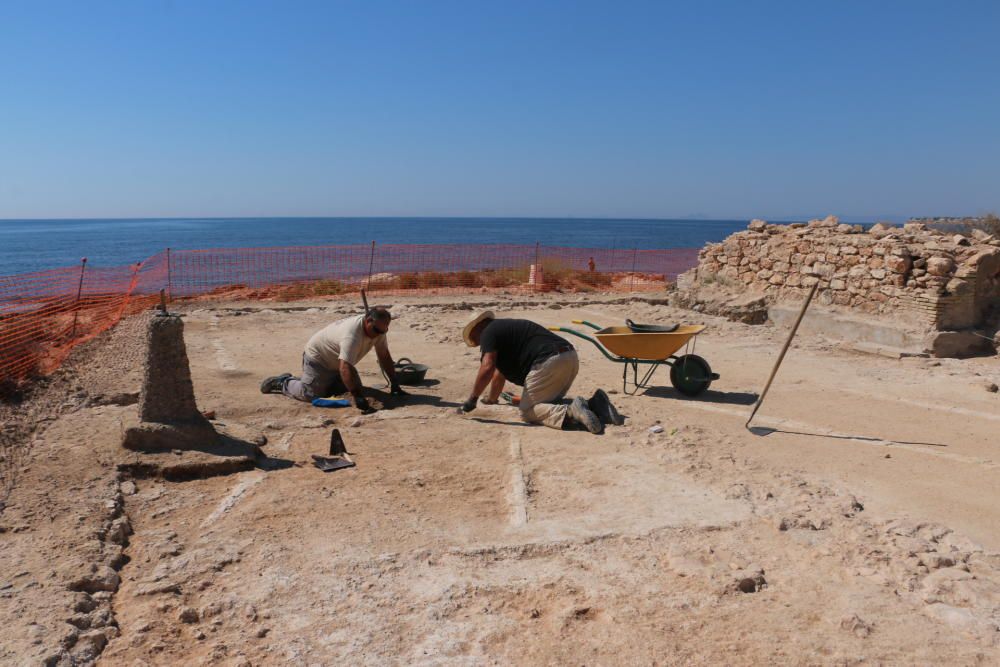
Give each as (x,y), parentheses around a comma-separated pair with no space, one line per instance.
(918,275)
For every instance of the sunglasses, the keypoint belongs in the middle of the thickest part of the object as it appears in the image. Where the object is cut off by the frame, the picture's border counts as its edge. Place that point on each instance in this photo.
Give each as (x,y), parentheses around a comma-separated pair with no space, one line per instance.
(378,330)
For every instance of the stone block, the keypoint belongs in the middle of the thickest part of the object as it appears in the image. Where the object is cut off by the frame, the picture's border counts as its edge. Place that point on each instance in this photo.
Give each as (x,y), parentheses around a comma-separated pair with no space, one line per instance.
(858,272)
(879,230)
(897,264)
(822,270)
(940,266)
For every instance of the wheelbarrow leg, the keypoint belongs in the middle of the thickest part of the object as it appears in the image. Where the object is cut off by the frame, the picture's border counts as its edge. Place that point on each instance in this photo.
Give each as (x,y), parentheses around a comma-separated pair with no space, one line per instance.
(637,384)
(648,376)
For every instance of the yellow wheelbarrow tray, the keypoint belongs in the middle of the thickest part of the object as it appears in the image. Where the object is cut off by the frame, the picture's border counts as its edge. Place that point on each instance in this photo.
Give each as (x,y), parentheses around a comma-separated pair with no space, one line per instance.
(689,374)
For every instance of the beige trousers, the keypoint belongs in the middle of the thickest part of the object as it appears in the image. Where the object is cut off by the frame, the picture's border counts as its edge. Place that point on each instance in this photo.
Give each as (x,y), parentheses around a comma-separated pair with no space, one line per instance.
(546,384)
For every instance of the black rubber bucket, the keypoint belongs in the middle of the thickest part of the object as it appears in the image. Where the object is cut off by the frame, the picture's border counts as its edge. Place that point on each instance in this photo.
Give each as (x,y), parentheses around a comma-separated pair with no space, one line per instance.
(409,373)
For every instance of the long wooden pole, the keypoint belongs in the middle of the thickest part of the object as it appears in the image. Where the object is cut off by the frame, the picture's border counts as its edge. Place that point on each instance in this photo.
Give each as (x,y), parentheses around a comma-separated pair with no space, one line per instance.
(781,357)
(79,293)
(371,264)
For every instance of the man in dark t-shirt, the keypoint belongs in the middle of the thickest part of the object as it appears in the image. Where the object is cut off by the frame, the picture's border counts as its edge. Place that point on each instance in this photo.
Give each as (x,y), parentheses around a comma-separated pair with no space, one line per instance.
(533,357)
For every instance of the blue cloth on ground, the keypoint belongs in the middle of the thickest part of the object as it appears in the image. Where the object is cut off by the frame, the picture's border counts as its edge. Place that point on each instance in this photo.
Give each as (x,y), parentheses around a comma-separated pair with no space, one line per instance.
(331,402)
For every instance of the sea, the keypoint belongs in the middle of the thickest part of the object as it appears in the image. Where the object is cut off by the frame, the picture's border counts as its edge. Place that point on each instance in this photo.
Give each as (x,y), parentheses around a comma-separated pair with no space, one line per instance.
(37,245)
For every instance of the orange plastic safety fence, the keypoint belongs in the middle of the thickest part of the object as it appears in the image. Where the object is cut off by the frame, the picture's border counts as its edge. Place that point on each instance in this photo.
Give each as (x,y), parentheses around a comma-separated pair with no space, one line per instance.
(44,314)
(319,270)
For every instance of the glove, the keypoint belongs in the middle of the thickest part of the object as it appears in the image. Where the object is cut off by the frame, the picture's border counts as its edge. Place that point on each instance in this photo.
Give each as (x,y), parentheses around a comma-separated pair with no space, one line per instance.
(469,405)
(396,390)
(361,403)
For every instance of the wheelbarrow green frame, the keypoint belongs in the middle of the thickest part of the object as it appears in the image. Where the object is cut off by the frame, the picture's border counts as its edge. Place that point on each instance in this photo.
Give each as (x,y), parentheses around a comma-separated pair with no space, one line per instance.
(689,373)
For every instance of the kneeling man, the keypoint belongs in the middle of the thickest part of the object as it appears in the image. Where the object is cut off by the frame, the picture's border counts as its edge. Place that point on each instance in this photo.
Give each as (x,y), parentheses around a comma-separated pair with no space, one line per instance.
(533,357)
(330,357)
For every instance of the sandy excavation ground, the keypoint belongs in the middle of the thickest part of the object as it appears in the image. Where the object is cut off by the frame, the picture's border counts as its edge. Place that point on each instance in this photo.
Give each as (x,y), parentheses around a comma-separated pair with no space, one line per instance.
(864,528)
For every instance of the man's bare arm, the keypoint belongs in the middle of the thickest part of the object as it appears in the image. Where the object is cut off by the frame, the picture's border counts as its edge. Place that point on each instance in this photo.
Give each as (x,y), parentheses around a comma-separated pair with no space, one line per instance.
(352,381)
(496,386)
(485,375)
(386,363)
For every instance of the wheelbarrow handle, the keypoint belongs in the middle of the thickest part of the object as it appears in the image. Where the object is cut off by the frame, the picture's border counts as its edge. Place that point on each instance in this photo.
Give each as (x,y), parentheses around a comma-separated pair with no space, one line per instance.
(589,339)
(586,323)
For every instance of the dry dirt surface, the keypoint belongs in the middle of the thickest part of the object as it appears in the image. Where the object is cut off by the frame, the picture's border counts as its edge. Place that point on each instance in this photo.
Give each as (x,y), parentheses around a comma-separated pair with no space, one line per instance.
(858,524)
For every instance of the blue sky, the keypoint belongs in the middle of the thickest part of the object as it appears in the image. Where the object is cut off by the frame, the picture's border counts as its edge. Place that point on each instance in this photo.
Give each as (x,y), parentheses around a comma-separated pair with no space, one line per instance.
(619,109)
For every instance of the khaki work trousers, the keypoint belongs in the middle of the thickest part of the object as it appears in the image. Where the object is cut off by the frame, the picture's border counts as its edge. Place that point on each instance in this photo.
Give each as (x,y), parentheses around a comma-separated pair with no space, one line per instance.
(545,385)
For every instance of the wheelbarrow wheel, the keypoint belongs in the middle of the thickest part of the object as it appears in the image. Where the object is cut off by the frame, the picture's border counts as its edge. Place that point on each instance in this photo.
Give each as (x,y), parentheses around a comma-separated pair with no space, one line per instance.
(691,375)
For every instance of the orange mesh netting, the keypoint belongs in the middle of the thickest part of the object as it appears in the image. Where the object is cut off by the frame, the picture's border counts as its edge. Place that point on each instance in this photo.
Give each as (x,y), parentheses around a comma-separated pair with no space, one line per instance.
(44,314)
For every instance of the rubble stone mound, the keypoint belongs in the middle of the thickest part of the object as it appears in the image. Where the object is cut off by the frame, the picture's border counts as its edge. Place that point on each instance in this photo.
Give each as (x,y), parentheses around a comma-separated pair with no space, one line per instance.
(924,278)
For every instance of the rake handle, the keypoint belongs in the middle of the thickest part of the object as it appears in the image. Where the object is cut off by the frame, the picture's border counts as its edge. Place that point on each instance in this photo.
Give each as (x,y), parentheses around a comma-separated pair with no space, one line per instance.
(781,357)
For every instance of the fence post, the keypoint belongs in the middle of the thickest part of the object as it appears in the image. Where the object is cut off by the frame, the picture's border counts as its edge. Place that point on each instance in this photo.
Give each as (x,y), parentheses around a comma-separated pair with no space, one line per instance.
(79,293)
(538,270)
(632,277)
(371,263)
(169,277)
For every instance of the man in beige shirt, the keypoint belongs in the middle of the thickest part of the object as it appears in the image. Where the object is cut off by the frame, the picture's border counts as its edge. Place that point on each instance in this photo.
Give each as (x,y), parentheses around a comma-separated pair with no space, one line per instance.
(330,358)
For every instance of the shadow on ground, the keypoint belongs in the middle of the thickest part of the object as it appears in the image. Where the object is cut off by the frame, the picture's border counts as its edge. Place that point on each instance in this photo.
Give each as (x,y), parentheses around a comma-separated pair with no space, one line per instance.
(764,431)
(710,396)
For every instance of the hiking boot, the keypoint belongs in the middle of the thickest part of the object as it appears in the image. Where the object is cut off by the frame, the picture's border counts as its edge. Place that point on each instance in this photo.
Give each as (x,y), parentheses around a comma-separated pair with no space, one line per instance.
(274,384)
(601,406)
(583,416)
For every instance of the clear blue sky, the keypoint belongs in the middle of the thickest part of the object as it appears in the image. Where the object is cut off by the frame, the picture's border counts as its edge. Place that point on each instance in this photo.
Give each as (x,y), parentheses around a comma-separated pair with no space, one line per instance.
(648,109)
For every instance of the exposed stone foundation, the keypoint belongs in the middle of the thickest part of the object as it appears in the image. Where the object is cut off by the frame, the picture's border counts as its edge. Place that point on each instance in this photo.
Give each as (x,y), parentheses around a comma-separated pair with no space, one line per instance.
(916,276)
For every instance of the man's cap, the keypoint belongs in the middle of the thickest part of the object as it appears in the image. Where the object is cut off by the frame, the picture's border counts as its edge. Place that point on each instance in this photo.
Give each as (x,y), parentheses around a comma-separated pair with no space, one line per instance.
(467,331)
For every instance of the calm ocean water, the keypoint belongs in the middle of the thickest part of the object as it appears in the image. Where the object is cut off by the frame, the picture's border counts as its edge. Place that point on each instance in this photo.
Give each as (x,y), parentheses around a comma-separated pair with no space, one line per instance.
(34,245)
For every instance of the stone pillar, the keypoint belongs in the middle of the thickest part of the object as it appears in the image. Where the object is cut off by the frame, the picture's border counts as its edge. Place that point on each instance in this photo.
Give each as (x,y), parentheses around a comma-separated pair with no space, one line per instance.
(167,394)
(169,417)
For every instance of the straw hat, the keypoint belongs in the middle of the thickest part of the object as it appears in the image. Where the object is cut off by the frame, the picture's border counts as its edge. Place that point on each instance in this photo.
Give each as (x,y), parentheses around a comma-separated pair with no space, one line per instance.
(467,331)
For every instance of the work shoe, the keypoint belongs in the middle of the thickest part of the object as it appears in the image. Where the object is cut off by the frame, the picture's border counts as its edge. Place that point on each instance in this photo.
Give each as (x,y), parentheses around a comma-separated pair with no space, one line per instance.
(582,415)
(274,384)
(601,406)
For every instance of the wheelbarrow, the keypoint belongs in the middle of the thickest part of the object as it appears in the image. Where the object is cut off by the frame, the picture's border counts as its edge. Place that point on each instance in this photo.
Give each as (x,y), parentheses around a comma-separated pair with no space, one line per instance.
(638,344)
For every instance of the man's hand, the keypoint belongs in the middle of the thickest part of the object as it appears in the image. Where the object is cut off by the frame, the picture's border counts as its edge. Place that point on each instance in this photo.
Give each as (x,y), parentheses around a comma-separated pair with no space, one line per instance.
(396,390)
(361,403)
(469,404)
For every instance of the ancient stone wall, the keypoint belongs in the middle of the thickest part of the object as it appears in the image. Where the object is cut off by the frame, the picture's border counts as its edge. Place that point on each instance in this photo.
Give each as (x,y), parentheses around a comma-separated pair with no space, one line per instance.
(920,275)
